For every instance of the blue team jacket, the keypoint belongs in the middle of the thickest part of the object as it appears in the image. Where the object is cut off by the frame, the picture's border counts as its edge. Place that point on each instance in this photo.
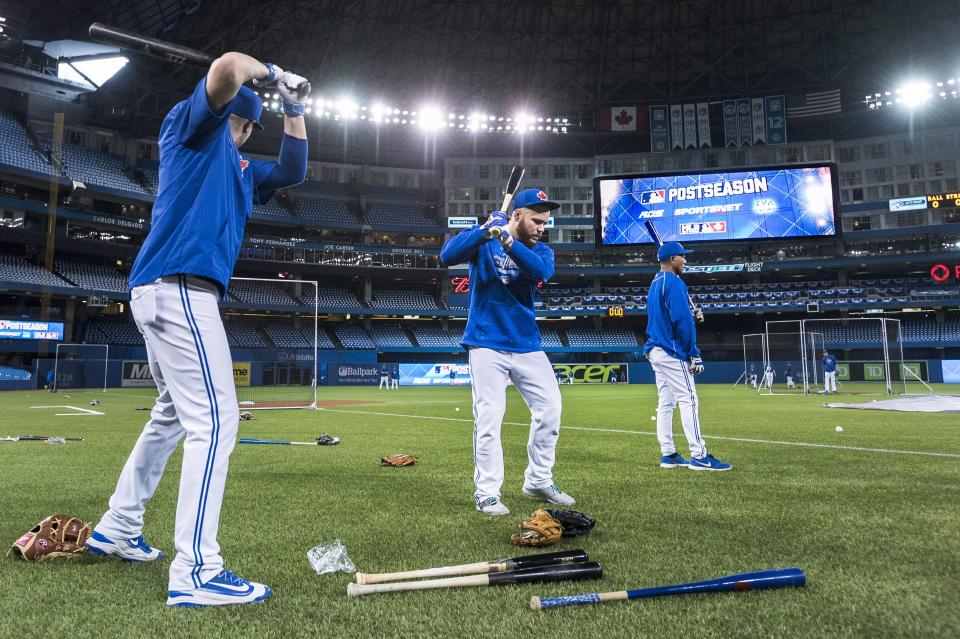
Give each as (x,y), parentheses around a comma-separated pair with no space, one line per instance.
(502,289)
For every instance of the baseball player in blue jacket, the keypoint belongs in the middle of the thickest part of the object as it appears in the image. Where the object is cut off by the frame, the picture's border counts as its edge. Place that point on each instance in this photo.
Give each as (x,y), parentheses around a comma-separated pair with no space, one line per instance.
(788,373)
(504,343)
(829,373)
(671,348)
(206,194)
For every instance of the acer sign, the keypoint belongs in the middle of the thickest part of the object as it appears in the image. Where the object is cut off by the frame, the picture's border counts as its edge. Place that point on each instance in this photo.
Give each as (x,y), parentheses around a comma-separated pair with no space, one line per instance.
(945,273)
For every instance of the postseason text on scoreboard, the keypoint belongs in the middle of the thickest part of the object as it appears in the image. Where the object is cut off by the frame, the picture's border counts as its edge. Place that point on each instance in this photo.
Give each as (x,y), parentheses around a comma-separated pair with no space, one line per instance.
(786,202)
(29,329)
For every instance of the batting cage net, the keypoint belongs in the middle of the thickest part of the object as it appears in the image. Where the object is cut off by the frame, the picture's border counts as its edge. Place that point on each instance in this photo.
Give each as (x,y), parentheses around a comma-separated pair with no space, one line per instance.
(789,351)
(754,349)
(869,354)
(271,326)
(81,366)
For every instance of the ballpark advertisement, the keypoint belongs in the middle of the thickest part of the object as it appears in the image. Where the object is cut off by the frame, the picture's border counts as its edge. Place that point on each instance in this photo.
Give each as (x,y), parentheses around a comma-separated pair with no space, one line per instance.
(435,374)
(787,202)
(30,329)
(591,373)
(136,374)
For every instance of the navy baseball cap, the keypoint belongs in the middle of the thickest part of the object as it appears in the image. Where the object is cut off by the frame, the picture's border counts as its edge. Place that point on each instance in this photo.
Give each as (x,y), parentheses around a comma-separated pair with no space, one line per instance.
(247,105)
(669,249)
(529,197)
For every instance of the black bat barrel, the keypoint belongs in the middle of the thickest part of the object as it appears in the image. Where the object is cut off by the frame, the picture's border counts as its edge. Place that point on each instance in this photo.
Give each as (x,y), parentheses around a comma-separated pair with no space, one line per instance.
(559,572)
(547,559)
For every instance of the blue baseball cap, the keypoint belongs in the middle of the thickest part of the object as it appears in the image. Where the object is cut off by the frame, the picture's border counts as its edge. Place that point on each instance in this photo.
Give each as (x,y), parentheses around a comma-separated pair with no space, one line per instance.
(247,105)
(669,249)
(529,197)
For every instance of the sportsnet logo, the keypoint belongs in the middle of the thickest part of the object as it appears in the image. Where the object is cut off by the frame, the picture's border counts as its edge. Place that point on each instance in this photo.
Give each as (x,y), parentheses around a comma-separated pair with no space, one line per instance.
(653,197)
(703,228)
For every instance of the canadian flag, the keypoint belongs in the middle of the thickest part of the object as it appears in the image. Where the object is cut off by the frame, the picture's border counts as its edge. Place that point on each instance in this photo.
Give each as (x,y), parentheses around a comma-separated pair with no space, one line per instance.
(622,118)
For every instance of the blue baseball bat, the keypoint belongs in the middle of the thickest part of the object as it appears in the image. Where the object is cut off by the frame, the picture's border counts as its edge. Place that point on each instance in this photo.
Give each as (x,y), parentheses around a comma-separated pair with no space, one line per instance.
(779,578)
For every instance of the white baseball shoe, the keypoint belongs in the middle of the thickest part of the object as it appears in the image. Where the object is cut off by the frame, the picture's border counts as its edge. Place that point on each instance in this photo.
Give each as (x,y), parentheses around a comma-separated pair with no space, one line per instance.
(551,493)
(492,506)
(223,590)
(136,549)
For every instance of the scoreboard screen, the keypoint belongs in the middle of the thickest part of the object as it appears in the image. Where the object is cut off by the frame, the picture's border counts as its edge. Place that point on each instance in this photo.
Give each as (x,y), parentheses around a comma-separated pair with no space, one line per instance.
(765,203)
(29,329)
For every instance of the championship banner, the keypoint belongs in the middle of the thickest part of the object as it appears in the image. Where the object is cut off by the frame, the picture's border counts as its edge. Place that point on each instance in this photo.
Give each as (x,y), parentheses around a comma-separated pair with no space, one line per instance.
(591,373)
(730,135)
(703,124)
(689,126)
(136,374)
(676,127)
(435,374)
(759,122)
(659,129)
(241,373)
(776,119)
(744,120)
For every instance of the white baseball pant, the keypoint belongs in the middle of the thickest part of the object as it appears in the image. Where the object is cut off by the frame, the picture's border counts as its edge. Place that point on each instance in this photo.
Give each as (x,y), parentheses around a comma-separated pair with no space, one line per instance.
(830,381)
(790,383)
(675,386)
(191,364)
(384,381)
(768,380)
(533,376)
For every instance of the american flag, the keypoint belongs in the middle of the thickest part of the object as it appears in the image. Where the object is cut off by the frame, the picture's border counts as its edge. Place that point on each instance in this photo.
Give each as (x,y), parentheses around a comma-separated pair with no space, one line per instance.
(804,105)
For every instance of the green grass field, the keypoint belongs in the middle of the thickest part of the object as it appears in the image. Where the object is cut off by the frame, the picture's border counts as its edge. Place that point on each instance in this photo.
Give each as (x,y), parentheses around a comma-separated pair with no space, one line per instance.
(875,527)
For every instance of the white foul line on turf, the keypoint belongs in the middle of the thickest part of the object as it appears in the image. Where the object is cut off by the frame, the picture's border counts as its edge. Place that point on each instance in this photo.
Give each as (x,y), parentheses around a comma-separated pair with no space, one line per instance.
(84,412)
(745,440)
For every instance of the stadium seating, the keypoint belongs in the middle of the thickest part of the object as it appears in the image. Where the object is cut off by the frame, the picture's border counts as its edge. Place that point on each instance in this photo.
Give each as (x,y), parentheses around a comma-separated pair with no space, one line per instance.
(17,148)
(354,337)
(403,298)
(11,373)
(326,212)
(101,169)
(411,215)
(260,293)
(96,277)
(389,334)
(115,331)
(335,298)
(241,335)
(432,336)
(14,268)
(272,209)
(550,338)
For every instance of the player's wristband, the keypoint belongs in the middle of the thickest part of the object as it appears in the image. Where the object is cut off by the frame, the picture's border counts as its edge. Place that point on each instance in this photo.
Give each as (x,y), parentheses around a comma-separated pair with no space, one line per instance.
(269,79)
(292,109)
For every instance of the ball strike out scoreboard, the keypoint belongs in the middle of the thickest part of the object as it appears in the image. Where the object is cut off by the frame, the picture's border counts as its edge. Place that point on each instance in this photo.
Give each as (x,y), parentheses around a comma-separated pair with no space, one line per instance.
(766,203)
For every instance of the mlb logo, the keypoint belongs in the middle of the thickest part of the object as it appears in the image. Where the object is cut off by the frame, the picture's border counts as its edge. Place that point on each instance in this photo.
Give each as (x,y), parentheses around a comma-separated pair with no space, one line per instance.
(653,197)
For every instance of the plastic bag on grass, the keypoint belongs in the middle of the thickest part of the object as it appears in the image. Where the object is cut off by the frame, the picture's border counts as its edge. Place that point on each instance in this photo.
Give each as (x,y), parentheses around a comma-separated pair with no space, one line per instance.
(330,557)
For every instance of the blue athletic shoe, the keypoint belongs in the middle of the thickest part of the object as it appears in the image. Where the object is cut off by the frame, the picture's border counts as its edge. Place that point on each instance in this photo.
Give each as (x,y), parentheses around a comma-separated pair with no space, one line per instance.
(136,549)
(708,463)
(674,460)
(223,590)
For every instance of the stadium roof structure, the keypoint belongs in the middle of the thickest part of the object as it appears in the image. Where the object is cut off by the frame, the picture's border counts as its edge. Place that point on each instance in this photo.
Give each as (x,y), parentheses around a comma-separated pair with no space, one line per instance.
(566,56)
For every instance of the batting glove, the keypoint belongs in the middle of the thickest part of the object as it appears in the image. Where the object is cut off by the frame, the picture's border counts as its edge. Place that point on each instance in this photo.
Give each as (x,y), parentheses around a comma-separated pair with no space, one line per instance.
(505,238)
(293,90)
(698,314)
(269,79)
(696,365)
(495,218)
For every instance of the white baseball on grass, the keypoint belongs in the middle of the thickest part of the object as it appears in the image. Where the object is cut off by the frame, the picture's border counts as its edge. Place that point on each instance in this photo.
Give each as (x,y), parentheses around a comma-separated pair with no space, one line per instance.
(839,429)
(457,409)
(653,418)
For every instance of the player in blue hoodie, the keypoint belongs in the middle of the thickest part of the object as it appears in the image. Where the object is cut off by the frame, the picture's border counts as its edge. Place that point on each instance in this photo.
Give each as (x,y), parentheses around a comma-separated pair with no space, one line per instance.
(672,350)
(504,343)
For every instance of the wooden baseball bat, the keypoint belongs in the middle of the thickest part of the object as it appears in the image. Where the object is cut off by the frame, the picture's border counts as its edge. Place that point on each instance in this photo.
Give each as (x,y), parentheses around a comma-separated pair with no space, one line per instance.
(778,578)
(480,567)
(152,47)
(658,242)
(516,174)
(561,572)
(39,438)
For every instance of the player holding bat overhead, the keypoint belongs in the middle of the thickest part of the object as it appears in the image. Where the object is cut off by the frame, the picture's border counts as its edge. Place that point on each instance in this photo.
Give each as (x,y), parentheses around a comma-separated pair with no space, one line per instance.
(672,350)
(206,194)
(504,343)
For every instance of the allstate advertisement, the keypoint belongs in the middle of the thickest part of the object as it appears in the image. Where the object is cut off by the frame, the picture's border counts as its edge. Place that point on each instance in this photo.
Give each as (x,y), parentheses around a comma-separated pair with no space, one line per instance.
(434,374)
(771,203)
